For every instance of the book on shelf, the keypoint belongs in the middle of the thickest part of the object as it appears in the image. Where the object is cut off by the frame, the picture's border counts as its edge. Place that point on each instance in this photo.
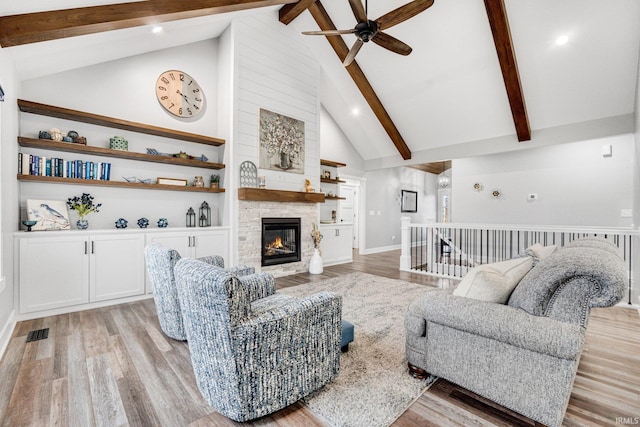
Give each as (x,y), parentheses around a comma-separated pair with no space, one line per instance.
(30,164)
(173,181)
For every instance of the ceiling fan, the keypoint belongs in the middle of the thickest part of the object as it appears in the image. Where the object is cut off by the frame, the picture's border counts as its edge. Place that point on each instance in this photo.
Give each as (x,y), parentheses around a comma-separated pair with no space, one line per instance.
(367,30)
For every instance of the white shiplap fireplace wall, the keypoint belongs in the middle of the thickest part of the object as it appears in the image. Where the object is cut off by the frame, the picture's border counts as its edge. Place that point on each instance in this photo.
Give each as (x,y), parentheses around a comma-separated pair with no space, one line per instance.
(271,69)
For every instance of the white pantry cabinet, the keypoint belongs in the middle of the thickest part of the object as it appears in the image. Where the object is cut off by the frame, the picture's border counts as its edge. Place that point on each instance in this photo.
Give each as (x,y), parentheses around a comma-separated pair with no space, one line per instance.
(62,269)
(337,243)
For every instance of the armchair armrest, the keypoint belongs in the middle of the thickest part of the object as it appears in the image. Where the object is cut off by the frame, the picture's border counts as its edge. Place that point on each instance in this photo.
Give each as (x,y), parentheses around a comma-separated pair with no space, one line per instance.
(505,324)
(258,285)
(242,270)
(216,260)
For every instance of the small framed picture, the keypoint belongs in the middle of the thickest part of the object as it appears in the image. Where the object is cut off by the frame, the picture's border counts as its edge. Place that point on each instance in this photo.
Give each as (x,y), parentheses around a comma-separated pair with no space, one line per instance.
(326,174)
(409,201)
(48,214)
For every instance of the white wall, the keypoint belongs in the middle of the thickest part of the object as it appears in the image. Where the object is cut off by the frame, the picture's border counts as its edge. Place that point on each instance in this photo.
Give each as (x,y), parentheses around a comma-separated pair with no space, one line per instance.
(9,215)
(575,185)
(383,197)
(336,146)
(126,89)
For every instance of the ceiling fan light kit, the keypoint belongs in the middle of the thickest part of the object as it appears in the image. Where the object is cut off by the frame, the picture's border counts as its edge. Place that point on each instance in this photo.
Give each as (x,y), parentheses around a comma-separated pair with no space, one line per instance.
(367,30)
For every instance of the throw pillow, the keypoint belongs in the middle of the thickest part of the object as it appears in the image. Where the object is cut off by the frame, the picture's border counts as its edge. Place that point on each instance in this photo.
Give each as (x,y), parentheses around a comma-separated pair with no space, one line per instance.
(540,252)
(494,282)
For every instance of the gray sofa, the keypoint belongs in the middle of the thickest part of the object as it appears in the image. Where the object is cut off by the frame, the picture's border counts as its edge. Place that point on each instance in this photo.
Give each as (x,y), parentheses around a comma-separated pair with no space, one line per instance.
(523,354)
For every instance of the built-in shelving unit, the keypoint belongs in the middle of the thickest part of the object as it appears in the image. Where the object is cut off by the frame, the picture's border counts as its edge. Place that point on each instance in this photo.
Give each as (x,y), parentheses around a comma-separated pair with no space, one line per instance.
(332,164)
(70,147)
(95,119)
(81,116)
(121,184)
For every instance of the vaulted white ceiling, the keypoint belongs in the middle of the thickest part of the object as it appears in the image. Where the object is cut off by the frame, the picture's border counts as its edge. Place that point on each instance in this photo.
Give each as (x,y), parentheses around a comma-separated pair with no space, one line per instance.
(447,98)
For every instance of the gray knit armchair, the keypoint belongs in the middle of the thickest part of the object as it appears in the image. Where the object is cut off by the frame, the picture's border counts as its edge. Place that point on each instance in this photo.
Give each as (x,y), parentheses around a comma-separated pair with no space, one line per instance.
(251,359)
(160,263)
(523,355)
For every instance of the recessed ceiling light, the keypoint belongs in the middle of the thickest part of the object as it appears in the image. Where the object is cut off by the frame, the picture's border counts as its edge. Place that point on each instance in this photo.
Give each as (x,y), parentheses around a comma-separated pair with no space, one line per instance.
(355,111)
(156,30)
(562,40)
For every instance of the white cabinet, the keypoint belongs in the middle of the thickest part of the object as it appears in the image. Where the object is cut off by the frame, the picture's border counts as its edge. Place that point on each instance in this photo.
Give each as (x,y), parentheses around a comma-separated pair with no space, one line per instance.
(54,272)
(194,243)
(68,268)
(336,243)
(116,266)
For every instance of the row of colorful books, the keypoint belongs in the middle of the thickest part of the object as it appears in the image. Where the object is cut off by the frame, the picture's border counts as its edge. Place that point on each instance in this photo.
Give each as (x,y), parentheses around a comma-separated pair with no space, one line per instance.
(29,164)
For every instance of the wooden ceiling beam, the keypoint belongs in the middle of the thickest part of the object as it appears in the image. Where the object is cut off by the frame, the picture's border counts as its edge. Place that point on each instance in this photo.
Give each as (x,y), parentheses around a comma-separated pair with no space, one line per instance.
(291,11)
(56,24)
(507,57)
(434,167)
(340,47)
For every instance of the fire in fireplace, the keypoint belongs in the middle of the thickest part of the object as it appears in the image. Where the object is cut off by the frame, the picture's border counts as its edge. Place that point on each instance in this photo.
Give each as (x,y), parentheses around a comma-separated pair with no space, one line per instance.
(280,240)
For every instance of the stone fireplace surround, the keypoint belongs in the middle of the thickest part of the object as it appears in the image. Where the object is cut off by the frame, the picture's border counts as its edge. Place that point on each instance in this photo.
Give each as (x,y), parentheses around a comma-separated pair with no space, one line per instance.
(250,229)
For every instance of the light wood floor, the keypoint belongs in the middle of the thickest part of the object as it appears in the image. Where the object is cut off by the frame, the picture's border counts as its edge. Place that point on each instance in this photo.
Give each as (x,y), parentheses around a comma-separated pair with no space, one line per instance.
(113,366)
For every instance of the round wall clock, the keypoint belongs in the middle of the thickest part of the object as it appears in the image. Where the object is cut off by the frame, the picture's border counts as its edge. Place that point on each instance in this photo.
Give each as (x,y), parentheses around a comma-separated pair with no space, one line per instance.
(179,94)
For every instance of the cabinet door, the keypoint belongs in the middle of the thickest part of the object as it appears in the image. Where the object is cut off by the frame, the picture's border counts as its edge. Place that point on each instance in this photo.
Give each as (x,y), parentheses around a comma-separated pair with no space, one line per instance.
(117,266)
(54,272)
(344,244)
(215,242)
(180,242)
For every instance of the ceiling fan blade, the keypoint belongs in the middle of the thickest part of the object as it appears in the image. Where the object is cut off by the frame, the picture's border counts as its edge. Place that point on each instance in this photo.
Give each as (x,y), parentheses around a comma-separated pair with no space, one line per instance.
(328,32)
(353,52)
(358,10)
(391,43)
(403,13)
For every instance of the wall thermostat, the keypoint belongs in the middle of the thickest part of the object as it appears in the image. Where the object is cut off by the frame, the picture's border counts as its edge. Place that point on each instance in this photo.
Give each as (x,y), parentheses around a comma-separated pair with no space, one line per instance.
(532,196)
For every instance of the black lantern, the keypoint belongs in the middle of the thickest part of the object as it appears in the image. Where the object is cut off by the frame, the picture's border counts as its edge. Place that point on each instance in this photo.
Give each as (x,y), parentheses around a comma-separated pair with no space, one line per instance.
(205,215)
(191,218)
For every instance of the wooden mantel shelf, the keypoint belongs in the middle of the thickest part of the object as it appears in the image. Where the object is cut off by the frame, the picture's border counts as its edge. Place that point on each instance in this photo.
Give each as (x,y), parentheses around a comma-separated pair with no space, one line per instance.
(264,195)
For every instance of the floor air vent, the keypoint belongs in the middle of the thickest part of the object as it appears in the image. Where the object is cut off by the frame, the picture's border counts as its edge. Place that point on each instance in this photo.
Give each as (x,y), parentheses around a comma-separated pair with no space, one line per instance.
(39,334)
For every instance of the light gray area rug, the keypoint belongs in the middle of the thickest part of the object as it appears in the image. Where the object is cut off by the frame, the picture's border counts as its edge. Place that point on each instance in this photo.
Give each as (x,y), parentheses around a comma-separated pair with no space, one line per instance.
(374,387)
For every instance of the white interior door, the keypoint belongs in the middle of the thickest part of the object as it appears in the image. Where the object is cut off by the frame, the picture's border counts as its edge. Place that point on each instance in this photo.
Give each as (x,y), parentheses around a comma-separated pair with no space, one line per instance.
(349,208)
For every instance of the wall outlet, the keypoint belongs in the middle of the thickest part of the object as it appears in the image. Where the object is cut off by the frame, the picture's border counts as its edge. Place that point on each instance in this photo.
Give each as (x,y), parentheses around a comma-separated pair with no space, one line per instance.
(626,213)
(372,213)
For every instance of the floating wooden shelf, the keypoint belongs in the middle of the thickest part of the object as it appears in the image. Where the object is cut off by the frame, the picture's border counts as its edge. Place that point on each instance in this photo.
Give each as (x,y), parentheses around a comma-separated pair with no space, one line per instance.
(122,184)
(334,198)
(95,119)
(107,152)
(332,181)
(331,163)
(264,195)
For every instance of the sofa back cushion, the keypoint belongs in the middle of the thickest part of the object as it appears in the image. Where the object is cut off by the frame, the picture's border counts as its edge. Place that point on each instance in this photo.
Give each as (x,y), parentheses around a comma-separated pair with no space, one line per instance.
(493,282)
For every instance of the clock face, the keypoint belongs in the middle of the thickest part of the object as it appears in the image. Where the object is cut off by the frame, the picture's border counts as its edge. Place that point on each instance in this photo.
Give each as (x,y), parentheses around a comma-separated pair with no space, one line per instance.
(179,94)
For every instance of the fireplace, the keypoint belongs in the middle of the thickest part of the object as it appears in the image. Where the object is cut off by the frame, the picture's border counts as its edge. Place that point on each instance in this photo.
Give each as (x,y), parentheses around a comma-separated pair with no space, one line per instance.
(280,240)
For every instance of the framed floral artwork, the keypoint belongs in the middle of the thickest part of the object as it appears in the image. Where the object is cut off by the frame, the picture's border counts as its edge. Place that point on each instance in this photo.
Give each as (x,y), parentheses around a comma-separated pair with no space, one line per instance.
(281,142)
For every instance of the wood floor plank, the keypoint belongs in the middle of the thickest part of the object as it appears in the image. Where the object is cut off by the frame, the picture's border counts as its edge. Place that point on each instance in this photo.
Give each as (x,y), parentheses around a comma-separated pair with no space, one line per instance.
(113,366)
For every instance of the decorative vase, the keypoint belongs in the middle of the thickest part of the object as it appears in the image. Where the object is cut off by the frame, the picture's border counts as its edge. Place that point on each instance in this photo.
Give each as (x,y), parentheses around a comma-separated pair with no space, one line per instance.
(285,161)
(82,224)
(315,265)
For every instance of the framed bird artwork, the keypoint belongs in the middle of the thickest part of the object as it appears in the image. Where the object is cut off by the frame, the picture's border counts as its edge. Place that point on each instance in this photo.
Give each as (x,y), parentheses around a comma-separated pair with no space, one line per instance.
(48,214)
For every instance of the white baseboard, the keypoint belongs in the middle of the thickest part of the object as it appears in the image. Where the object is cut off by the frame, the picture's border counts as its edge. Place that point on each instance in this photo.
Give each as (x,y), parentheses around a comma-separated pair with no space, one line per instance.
(6,332)
(382,249)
